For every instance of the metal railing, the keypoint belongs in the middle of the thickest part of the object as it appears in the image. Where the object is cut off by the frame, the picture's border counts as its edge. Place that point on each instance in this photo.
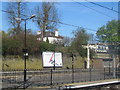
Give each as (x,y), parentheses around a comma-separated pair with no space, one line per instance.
(48,77)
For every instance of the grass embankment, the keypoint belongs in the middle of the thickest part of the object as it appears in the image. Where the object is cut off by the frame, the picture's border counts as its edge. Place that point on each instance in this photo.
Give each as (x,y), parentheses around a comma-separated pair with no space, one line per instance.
(36,63)
(19,64)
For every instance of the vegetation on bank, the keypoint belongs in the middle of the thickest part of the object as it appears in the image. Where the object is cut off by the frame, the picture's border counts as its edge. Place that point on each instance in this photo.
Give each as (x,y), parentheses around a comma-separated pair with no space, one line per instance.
(12,63)
(13,40)
(13,56)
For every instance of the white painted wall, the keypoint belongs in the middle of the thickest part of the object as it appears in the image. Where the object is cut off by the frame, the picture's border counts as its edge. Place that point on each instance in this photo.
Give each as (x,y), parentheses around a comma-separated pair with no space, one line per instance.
(52,39)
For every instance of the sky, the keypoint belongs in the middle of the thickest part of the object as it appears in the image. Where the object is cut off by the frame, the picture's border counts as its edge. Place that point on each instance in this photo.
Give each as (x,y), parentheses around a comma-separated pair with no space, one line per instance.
(73,13)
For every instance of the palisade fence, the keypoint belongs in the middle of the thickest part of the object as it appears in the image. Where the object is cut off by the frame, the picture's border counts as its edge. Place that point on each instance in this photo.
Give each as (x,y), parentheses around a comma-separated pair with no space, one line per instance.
(50,77)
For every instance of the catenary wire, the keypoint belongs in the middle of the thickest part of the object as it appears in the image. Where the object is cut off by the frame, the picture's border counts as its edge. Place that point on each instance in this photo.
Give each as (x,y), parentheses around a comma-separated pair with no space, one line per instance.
(93,9)
(102,6)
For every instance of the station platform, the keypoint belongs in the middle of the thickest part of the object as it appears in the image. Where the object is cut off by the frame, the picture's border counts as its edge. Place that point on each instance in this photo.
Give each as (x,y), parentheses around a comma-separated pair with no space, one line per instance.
(77,85)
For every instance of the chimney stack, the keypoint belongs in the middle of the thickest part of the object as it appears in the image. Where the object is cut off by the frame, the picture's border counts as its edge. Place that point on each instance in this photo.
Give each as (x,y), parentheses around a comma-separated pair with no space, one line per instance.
(56,32)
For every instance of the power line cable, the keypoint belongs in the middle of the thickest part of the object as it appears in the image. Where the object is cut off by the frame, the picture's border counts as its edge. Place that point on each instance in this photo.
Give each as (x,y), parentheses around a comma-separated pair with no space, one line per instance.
(76,26)
(54,21)
(72,25)
(12,12)
(7,11)
(102,6)
(93,9)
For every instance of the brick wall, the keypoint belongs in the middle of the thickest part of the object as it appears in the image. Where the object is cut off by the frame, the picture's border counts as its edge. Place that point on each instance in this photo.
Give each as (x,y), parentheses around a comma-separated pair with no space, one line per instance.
(98,63)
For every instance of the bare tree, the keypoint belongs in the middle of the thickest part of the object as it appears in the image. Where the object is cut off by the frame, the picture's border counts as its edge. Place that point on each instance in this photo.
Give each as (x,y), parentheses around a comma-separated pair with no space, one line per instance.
(66,41)
(91,38)
(17,10)
(47,17)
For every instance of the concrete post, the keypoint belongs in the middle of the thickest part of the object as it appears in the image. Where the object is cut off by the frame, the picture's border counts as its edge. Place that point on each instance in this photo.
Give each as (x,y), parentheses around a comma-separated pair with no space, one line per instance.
(114,66)
(88,57)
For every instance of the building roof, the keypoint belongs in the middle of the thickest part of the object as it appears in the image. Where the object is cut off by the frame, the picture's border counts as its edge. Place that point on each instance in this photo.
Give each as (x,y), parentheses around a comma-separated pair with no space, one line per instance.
(50,34)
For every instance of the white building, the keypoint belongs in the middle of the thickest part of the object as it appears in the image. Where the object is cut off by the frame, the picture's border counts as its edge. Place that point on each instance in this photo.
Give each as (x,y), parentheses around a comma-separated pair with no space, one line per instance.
(98,47)
(53,37)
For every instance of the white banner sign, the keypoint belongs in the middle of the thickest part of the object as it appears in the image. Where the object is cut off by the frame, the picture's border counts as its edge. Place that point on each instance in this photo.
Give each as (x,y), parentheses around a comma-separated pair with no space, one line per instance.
(48,59)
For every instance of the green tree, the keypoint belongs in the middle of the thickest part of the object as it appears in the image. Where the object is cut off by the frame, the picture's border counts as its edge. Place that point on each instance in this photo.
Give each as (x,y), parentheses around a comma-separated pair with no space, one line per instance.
(4,43)
(92,53)
(79,41)
(47,40)
(119,39)
(13,45)
(108,32)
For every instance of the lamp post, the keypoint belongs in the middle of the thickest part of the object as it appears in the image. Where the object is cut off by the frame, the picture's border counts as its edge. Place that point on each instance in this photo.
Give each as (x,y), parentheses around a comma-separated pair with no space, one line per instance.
(54,56)
(25,49)
(55,43)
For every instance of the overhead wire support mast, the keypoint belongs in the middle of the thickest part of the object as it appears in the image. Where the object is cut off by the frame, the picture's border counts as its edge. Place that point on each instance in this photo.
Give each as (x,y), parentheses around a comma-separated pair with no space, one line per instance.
(102,6)
(93,9)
